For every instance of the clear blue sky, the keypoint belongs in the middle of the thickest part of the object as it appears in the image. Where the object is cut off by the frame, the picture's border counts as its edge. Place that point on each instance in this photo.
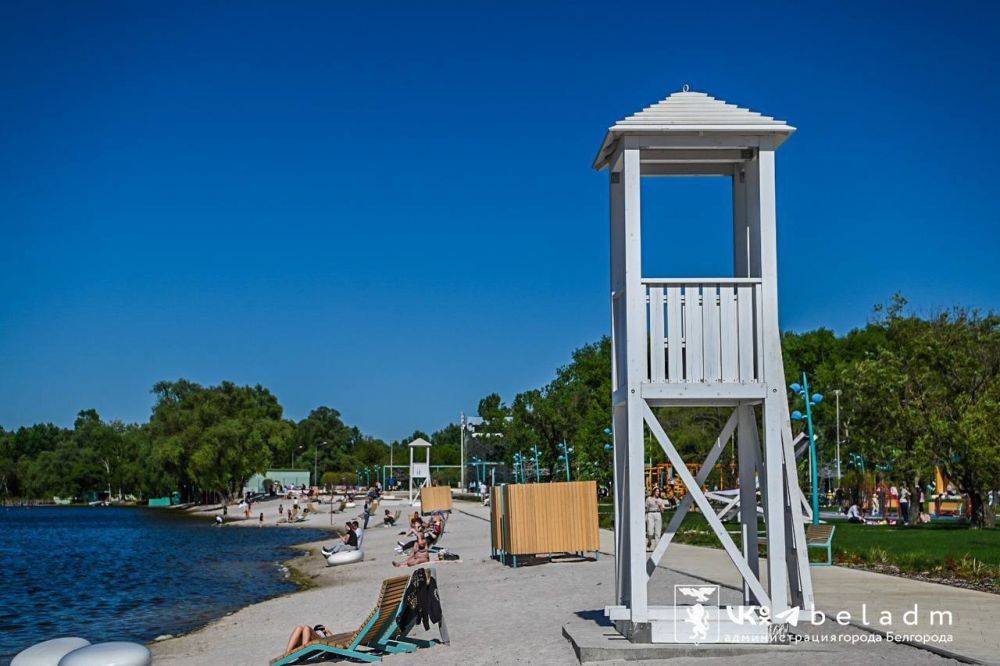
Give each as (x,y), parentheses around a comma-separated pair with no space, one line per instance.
(388,208)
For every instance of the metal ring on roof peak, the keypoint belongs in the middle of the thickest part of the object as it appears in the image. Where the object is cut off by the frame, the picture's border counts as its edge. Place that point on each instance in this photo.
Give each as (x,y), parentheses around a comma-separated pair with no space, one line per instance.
(685,88)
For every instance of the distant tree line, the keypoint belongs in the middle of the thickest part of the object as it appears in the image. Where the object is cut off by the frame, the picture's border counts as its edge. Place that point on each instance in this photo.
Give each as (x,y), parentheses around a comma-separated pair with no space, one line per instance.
(199,440)
(918,392)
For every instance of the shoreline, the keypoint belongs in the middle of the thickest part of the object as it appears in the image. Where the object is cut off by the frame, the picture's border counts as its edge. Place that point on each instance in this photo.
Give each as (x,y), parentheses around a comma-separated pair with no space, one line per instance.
(302,569)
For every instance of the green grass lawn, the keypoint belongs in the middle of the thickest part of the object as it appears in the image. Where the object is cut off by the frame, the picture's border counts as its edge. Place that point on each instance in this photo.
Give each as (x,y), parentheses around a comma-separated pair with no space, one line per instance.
(941,550)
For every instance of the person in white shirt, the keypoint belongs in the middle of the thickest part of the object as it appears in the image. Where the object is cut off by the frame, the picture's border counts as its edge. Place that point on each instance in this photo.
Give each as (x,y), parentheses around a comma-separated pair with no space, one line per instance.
(854,515)
(654,518)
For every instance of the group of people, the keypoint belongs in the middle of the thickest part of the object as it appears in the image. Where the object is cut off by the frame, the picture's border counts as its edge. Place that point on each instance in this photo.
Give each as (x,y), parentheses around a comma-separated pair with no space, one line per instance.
(880,505)
(424,535)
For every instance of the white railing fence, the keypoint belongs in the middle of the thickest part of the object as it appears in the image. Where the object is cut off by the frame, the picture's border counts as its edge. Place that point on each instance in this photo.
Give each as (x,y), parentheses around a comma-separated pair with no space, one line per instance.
(704,329)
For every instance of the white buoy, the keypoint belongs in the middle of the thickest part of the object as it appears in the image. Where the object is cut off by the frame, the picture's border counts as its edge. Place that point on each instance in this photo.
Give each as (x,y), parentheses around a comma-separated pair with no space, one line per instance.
(345,557)
(117,653)
(48,653)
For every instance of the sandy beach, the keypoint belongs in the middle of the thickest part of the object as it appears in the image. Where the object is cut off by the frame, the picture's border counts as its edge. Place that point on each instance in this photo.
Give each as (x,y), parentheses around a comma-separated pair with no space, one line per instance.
(495,614)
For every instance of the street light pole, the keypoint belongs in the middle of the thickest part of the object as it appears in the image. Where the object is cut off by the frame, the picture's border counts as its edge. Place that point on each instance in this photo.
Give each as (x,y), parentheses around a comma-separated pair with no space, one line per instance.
(461,475)
(316,463)
(813,458)
(836,394)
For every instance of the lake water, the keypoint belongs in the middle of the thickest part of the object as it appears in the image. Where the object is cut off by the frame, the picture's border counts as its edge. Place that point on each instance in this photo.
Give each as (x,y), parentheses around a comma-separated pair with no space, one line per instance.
(107,573)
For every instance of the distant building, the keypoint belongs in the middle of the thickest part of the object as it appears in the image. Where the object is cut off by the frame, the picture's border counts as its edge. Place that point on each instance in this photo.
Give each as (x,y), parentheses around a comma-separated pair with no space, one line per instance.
(285,477)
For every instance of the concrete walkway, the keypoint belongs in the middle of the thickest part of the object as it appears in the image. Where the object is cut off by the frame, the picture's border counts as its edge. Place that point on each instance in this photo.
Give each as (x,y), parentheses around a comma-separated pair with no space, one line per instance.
(864,596)
(495,614)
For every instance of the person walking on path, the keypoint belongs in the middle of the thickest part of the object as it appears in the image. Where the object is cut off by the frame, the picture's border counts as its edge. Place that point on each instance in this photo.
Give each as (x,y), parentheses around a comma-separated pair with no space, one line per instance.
(654,518)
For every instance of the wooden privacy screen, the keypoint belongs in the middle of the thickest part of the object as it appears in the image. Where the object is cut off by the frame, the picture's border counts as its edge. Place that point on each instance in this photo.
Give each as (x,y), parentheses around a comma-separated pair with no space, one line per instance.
(435,498)
(532,518)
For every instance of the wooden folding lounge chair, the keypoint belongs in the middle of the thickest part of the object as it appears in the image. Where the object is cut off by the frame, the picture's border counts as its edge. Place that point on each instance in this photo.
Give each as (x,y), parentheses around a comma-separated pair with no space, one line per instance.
(373,633)
(395,638)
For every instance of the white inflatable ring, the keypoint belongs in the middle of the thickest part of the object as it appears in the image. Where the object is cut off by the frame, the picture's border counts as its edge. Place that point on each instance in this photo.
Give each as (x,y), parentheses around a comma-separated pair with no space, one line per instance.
(345,557)
(48,653)
(117,653)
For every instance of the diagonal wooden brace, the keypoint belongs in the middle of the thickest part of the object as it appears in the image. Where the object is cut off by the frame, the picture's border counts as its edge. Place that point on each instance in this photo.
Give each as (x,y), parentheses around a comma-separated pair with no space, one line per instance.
(675,521)
(694,489)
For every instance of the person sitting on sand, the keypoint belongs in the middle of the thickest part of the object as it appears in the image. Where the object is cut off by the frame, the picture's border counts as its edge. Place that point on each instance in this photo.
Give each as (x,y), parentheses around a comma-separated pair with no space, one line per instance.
(348,542)
(416,529)
(303,635)
(418,556)
(389,519)
(435,530)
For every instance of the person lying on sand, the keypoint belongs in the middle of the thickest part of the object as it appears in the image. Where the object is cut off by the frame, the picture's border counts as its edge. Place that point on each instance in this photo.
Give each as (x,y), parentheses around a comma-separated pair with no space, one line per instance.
(418,556)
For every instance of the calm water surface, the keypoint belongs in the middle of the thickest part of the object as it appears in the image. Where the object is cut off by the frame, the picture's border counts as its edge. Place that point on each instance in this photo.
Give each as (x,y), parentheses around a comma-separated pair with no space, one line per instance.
(108,573)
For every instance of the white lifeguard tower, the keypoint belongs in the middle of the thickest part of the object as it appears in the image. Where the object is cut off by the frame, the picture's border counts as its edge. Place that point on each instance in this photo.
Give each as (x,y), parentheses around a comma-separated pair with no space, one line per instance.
(702,342)
(420,472)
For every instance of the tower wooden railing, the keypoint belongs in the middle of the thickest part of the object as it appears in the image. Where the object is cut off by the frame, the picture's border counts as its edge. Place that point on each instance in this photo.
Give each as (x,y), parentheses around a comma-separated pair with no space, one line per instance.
(704,329)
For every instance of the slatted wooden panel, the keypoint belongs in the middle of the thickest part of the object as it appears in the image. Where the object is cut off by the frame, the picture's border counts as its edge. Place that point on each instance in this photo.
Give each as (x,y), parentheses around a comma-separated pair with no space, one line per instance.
(675,334)
(711,335)
(744,306)
(435,498)
(547,518)
(703,332)
(657,362)
(389,599)
(729,333)
(694,368)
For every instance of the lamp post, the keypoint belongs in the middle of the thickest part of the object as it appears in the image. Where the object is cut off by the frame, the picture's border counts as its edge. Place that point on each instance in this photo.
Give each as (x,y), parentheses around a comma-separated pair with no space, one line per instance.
(385,480)
(461,448)
(316,462)
(565,457)
(811,401)
(836,394)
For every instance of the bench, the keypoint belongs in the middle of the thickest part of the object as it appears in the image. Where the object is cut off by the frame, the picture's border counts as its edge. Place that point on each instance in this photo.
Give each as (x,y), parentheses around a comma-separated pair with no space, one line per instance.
(821,536)
(817,536)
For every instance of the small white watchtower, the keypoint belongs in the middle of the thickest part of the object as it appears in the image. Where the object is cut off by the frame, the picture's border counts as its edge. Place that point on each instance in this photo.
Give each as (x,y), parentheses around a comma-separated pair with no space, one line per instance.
(697,342)
(420,472)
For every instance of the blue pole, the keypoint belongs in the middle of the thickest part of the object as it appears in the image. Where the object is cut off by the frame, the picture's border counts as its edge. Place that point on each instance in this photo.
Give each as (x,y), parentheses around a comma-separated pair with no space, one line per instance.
(812,451)
(538,474)
(566,455)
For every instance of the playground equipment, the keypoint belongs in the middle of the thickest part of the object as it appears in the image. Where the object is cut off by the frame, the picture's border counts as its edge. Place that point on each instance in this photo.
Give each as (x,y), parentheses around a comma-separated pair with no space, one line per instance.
(531,519)
(672,488)
(420,472)
(702,342)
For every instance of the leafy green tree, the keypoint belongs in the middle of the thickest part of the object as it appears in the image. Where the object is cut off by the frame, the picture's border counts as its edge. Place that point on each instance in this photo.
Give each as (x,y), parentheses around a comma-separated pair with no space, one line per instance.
(929,397)
(215,438)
